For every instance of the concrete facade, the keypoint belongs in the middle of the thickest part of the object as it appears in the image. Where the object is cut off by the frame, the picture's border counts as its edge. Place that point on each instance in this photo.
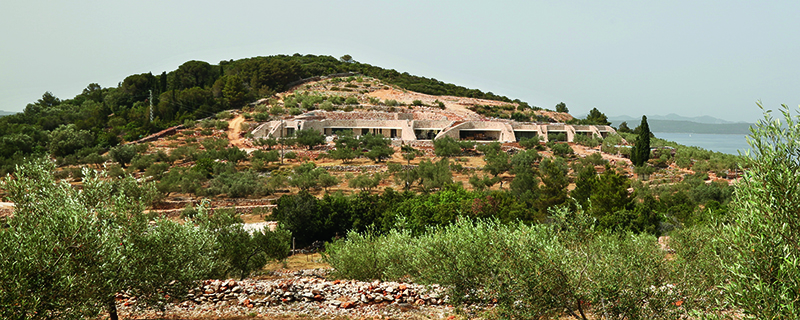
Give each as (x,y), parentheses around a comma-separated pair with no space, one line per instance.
(421,130)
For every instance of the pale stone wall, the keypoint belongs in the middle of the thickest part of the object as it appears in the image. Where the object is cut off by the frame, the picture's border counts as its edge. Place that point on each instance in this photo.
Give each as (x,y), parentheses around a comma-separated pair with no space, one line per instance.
(503,131)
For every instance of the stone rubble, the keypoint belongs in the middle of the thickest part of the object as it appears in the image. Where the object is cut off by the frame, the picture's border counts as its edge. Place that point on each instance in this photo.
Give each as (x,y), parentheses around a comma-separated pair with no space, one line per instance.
(304,292)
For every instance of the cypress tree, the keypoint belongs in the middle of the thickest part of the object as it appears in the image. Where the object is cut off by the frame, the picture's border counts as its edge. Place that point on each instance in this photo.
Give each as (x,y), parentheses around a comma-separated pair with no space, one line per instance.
(641,150)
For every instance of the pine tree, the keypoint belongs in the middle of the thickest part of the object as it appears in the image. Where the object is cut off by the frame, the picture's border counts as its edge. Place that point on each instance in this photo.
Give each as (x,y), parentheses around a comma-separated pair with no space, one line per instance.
(641,151)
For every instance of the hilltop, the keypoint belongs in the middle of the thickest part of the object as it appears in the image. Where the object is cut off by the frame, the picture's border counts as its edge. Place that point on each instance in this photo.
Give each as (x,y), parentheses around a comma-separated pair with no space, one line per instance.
(81,131)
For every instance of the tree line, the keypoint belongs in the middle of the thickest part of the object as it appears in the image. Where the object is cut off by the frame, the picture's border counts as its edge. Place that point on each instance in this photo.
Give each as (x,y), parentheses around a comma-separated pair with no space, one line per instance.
(100,118)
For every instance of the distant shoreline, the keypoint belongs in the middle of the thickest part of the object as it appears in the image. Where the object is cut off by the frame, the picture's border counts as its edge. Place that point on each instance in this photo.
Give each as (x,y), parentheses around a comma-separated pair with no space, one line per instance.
(719,142)
(680,126)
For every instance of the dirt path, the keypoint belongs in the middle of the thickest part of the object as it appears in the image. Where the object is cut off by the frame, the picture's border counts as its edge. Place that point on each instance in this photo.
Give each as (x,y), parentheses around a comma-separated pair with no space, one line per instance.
(235,133)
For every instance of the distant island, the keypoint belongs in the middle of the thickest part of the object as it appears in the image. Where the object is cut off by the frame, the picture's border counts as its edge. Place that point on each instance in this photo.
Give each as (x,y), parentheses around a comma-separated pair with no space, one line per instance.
(673,123)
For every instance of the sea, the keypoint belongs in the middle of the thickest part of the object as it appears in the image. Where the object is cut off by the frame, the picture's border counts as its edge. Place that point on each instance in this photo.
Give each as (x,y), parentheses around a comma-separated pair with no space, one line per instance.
(725,143)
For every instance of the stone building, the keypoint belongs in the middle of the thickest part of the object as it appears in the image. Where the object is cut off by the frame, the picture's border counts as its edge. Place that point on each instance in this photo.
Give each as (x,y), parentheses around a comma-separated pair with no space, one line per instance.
(408,127)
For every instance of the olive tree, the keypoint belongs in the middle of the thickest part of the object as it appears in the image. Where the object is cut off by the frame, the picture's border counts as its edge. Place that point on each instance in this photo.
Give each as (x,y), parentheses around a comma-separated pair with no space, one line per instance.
(309,138)
(67,252)
(764,238)
(123,154)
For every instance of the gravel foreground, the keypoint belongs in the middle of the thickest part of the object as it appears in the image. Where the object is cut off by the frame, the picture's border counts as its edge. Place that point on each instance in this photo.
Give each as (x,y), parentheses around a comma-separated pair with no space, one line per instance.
(301,294)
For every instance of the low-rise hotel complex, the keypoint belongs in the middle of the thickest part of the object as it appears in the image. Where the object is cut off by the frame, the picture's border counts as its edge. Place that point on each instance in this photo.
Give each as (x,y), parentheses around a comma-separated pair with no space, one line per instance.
(416,126)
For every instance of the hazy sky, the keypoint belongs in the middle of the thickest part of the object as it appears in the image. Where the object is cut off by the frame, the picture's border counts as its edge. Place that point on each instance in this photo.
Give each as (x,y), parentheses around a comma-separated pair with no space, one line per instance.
(623,57)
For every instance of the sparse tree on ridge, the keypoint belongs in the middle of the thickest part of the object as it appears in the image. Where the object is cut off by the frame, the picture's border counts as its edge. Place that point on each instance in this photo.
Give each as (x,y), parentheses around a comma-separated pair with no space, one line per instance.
(597,118)
(562,107)
(623,127)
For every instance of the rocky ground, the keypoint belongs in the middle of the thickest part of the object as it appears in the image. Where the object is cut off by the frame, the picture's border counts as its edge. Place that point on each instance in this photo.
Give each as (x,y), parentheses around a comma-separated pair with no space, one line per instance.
(302,294)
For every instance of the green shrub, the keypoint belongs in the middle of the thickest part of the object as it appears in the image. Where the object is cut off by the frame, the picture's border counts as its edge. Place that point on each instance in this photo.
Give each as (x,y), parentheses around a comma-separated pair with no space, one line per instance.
(123,154)
(763,239)
(540,271)
(207,123)
(221,125)
(595,159)
(562,150)
(239,185)
(240,251)
(277,110)
(557,137)
(141,162)
(224,115)
(70,250)
(586,141)
(529,143)
(337,100)
(327,106)
(261,117)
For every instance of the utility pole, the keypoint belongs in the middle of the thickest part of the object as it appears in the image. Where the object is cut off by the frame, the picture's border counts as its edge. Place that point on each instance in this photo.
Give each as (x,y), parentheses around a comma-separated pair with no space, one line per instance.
(151,105)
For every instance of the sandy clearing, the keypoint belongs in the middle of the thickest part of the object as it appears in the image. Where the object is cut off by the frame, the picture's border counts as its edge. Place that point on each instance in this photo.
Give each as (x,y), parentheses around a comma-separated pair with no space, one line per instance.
(235,134)
(454,104)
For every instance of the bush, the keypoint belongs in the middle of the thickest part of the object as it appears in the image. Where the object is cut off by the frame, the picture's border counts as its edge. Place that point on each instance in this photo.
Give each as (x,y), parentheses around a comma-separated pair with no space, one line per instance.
(221,125)
(242,251)
(123,154)
(763,267)
(224,115)
(277,110)
(562,150)
(207,123)
(539,271)
(337,100)
(239,185)
(327,106)
(367,256)
(365,182)
(446,147)
(261,117)
(529,143)
(69,251)
(591,142)
(557,137)
(141,162)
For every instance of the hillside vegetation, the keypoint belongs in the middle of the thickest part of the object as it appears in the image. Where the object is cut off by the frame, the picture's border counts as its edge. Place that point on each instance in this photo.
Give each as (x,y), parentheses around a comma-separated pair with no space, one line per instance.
(536,229)
(100,118)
